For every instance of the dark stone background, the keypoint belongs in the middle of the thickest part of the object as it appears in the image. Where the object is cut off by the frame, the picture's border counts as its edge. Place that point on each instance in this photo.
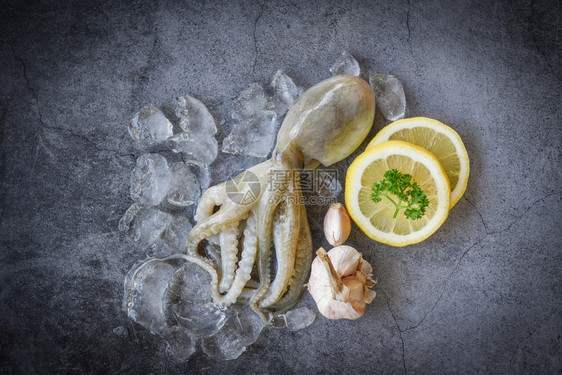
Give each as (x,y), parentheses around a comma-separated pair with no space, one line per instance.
(482,295)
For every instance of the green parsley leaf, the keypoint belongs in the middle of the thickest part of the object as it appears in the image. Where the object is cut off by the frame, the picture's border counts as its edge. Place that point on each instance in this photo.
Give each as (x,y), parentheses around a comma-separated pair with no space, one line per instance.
(408,195)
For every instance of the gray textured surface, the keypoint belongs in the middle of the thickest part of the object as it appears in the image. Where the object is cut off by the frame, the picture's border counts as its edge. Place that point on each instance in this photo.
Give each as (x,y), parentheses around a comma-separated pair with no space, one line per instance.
(482,295)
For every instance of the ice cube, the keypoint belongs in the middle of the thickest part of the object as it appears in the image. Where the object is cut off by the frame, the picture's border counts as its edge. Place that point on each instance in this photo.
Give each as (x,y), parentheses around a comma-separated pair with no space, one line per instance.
(253,137)
(389,94)
(189,300)
(149,127)
(175,234)
(299,318)
(242,329)
(284,93)
(189,283)
(145,286)
(150,179)
(346,64)
(202,319)
(144,224)
(180,343)
(184,187)
(203,175)
(194,146)
(195,117)
(250,102)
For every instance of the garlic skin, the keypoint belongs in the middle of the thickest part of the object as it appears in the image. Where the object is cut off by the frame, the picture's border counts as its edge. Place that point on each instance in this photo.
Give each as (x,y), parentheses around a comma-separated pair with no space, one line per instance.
(340,282)
(337,224)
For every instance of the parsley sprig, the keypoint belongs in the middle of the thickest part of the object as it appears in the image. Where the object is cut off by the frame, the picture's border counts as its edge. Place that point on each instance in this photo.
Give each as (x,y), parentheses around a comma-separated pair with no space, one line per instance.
(399,184)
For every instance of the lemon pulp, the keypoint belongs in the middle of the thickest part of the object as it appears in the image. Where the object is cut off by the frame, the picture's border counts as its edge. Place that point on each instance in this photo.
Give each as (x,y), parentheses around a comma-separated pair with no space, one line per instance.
(376,219)
(437,138)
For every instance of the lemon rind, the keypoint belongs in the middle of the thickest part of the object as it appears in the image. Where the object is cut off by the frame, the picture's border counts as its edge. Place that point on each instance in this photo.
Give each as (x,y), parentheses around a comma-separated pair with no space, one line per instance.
(384,134)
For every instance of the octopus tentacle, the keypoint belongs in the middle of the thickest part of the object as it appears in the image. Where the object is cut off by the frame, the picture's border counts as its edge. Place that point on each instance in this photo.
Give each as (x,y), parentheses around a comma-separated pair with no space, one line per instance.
(302,266)
(285,249)
(266,210)
(229,252)
(248,257)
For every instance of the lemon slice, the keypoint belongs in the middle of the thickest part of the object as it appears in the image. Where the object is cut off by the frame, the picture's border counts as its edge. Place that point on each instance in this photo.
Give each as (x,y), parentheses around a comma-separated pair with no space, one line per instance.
(437,138)
(376,219)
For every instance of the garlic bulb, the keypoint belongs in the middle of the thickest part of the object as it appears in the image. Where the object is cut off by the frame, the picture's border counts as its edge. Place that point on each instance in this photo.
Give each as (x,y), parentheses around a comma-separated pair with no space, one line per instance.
(337,225)
(340,282)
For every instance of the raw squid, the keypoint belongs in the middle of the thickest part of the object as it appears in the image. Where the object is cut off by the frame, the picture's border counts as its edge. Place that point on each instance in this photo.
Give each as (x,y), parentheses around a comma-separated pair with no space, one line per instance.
(270,226)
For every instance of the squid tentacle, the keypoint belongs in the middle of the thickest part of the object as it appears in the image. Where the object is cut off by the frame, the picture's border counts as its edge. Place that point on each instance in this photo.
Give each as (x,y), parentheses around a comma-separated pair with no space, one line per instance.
(302,267)
(217,195)
(210,267)
(285,249)
(230,213)
(212,197)
(214,224)
(211,225)
(266,210)
(248,257)
(229,252)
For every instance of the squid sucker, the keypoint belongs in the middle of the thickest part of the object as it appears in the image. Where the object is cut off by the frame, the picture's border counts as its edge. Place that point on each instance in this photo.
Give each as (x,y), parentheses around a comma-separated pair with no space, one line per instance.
(259,220)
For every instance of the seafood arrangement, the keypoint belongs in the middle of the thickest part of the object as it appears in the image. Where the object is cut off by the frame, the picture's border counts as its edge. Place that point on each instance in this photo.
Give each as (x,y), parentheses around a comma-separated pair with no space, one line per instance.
(248,258)
(324,125)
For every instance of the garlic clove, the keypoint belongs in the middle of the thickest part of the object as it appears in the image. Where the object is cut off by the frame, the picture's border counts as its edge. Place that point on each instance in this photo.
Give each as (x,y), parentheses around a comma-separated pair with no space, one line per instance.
(332,309)
(337,224)
(338,285)
(345,259)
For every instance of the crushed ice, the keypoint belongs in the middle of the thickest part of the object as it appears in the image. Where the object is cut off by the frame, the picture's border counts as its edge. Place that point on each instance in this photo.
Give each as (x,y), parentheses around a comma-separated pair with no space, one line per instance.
(242,329)
(150,180)
(299,318)
(174,303)
(151,229)
(389,94)
(191,302)
(257,116)
(195,117)
(184,186)
(167,293)
(149,127)
(194,147)
(346,64)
